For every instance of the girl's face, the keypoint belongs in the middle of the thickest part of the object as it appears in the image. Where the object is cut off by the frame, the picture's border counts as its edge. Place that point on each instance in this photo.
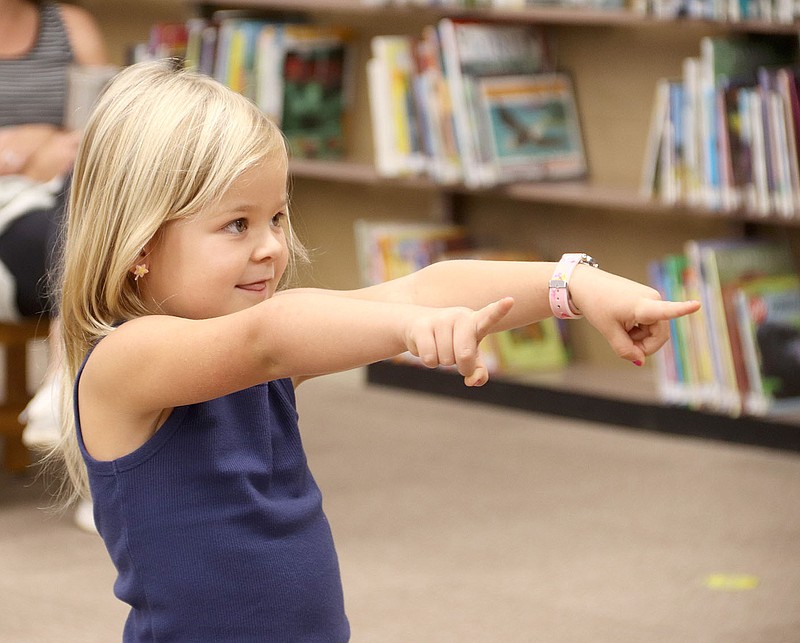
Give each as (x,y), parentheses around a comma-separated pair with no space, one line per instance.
(226,259)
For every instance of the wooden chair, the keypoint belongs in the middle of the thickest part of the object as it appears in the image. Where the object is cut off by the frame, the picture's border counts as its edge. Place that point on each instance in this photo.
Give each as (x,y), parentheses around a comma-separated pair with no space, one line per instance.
(15,338)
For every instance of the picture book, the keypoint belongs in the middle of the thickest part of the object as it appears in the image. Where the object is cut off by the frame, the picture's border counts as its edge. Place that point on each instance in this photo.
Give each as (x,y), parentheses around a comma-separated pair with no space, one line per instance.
(475,50)
(303,82)
(533,127)
(769,318)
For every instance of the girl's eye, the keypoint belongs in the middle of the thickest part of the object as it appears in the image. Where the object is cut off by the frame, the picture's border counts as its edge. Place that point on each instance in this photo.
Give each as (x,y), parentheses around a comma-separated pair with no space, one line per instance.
(238,226)
(278,219)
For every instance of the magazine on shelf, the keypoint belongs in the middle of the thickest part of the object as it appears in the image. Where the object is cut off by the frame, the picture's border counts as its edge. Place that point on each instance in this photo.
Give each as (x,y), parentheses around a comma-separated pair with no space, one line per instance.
(533,127)
(475,50)
(768,312)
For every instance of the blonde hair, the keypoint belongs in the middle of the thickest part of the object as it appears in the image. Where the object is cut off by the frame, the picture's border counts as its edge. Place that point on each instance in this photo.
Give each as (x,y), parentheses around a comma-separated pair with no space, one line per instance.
(162,144)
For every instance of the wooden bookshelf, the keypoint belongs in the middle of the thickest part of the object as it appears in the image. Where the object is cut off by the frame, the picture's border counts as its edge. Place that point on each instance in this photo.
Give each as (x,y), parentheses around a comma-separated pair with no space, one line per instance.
(615,58)
(571,193)
(542,15)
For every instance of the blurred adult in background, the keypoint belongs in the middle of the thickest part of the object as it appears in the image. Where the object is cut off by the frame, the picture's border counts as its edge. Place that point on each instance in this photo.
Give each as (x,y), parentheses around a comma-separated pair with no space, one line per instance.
(39,41)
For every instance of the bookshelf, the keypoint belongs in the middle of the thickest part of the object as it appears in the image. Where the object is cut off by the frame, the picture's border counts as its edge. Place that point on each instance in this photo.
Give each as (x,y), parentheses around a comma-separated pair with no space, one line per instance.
(615,59)
(572,193)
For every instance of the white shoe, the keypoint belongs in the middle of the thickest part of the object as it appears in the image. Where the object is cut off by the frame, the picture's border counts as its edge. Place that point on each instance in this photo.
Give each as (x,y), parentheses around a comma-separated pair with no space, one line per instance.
(84,516)
(41,417)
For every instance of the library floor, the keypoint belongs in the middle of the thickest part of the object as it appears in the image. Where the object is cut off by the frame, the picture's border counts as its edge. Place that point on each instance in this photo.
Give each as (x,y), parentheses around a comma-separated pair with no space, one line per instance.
(458,523)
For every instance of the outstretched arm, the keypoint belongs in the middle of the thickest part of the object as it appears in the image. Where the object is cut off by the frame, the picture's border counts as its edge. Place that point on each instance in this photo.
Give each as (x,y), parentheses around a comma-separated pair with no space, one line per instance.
(630,315)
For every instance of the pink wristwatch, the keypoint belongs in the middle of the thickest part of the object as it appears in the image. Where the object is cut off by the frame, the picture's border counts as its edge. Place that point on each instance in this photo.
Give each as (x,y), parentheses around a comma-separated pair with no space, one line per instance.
(560,302)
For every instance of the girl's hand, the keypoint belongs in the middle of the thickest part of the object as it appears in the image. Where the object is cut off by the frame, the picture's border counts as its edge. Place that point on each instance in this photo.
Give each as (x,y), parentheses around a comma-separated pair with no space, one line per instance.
(54,157)
(450,336)
(631,316)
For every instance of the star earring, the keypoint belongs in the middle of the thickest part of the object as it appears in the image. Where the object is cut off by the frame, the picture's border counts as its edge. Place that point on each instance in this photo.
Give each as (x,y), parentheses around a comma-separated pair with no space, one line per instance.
(140,270)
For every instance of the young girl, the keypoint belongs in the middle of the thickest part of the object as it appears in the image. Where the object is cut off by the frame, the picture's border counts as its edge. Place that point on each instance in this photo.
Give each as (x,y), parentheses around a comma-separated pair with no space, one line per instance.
(183,352)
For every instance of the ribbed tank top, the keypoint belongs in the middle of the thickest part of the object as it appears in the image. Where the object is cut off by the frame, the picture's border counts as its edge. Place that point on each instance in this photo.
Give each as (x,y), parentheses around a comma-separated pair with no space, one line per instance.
(33,86)
(216,528)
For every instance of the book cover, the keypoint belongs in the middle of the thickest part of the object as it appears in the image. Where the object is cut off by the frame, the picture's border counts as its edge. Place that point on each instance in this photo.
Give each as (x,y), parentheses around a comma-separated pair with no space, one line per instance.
(769,316)
(533,126)
(473,50)
(304,76)
(397,101)
(390,249)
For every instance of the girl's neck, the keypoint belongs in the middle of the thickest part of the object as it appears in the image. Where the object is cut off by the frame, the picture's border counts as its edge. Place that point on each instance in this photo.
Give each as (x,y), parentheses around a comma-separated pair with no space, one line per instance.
(19,26)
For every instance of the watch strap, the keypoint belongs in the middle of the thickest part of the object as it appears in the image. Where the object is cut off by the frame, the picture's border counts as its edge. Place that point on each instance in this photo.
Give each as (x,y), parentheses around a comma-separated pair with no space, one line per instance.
(560,302)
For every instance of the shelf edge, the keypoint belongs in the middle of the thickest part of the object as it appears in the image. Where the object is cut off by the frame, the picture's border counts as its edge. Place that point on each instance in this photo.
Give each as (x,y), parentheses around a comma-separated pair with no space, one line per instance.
(629,414)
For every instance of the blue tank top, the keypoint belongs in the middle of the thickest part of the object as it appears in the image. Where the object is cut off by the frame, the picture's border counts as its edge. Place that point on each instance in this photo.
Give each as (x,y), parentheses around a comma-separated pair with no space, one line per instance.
(33,87)
(216,528)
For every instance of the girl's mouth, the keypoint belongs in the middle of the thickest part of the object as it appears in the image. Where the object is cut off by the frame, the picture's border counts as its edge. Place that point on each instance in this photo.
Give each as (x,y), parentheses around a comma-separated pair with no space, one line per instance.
(256,286)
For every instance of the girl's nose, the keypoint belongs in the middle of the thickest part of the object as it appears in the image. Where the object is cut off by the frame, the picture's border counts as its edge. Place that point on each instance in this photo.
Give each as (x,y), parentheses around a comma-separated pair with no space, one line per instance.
(269,246)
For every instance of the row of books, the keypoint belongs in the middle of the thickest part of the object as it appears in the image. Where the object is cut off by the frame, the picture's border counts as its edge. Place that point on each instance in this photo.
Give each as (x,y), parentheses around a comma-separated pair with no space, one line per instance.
(499,4)
(726,135)
(741,352)
(472,102)
(769,11)
(299,74)
(388,250)
(777,11)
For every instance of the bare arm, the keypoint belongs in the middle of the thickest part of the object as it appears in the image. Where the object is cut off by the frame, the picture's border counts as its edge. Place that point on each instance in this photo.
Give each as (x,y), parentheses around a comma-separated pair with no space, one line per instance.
(160,362)
(629,315)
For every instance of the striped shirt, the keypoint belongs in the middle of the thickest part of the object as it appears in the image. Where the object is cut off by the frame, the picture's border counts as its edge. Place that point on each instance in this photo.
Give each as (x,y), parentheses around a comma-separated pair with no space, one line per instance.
(33,86)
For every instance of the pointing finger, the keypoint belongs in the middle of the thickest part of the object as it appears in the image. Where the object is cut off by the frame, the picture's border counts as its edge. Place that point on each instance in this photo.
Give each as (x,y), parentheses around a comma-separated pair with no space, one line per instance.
(650,311)
(489,316)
